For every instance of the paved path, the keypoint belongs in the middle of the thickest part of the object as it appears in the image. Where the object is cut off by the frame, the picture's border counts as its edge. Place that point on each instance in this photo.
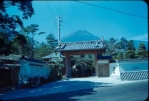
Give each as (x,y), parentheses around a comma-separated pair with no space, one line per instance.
(64,86)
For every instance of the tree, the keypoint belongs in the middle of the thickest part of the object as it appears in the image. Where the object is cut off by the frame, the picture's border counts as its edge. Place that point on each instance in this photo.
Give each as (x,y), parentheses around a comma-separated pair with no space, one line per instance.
(141,52)
(130,45)
(51,40)
(5,44)
(130,51)
(120,55)
(123,43)
(31,29)
(111,48)
(41,51)
(18,44)
(130,54)
(10,23)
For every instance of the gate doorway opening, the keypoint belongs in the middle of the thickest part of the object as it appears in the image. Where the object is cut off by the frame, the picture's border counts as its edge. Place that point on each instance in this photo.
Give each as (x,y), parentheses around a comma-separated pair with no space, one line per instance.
(82,65)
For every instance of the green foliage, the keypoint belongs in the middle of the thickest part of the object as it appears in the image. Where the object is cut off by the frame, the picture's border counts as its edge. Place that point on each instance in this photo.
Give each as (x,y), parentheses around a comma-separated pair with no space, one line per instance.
(120,56)
(55,74)
(130,45)
(46,49)
(5,44)
(21,45)
(51,40)
(57,71)
(10,40)
(86,60)
(117,49)
(31,29)
(111,46)
(41,51)
(130,54)
(24,6)
(14,21)
(141,52)
(123,43)
(85,65)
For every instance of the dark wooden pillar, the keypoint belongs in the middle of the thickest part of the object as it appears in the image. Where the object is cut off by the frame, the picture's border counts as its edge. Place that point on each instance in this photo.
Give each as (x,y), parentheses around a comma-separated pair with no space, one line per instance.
(68,66)
(96,64)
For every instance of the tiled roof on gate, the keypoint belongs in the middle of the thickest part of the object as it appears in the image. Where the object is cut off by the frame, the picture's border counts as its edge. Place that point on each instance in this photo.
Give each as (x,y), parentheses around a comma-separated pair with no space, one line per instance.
(87,45)
(11,57)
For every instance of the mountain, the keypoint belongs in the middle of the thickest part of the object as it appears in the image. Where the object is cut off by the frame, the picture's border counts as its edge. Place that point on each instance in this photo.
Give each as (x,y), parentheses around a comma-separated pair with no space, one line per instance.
(137,42)
(83,35)
(79,35)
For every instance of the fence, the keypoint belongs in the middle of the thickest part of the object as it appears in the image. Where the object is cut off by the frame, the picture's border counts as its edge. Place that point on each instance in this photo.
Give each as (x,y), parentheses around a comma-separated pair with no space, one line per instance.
(29,80)
(134,75)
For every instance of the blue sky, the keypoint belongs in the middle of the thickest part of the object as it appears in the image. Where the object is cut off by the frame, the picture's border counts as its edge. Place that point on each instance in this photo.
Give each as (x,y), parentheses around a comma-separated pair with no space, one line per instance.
(94,19)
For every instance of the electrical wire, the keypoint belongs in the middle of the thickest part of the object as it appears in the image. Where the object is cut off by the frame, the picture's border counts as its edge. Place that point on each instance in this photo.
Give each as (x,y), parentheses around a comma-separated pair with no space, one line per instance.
(52,28)
(112,9)
(50,11)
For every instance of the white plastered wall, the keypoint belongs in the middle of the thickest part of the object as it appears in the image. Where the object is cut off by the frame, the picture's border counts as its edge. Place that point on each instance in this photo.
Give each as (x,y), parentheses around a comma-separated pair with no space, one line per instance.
(127,67)
(27,69)
(133,66)
(114,70)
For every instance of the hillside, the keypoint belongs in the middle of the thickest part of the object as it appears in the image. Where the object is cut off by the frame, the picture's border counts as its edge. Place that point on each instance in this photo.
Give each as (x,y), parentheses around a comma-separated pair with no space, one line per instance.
(83,35)
(137,42)
(79,35)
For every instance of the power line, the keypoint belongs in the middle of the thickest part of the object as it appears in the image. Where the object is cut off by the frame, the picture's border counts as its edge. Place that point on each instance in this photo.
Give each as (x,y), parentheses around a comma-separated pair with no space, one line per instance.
(56,8)
(52,28)
(112,9)
(50,11)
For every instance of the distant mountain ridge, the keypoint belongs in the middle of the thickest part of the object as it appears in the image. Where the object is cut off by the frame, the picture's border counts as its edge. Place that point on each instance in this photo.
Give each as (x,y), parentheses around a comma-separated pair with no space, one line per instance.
(83,35)
(137,43)
(79,35)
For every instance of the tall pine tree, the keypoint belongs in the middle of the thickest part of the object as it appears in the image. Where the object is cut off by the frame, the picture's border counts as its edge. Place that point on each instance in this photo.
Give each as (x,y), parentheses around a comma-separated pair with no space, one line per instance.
(130,52)
(142,52)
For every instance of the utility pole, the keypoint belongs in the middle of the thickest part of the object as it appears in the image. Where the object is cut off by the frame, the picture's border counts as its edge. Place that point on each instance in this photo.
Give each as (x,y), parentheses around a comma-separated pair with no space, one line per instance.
(32,46)
(59,21)
(59,24)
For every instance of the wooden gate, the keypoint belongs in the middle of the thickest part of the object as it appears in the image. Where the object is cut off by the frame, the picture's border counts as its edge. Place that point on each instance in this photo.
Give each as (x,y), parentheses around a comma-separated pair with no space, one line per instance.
(103,70)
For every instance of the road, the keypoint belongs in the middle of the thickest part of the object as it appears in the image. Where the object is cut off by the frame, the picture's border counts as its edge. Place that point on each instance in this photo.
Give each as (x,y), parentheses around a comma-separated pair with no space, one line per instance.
(136,91)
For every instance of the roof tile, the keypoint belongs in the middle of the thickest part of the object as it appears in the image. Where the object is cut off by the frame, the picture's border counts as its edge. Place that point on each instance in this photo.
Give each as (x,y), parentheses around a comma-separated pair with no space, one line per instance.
(88,45)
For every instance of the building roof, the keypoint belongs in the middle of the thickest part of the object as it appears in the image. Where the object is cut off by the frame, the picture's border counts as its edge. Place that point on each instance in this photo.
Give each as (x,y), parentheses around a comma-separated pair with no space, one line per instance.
(11,57)
(32,60)
(87,45)
(53,55)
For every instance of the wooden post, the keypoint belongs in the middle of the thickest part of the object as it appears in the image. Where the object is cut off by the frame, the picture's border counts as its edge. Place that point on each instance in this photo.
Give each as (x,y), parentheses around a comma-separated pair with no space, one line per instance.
(68,66)
(96,65)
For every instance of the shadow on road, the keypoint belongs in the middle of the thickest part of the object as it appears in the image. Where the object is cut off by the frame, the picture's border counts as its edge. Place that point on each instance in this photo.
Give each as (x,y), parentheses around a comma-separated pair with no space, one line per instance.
(67,96)
(56,91)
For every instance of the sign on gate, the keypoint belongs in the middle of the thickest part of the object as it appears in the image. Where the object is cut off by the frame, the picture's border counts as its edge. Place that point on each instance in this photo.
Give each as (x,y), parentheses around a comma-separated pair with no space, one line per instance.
(57,59)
